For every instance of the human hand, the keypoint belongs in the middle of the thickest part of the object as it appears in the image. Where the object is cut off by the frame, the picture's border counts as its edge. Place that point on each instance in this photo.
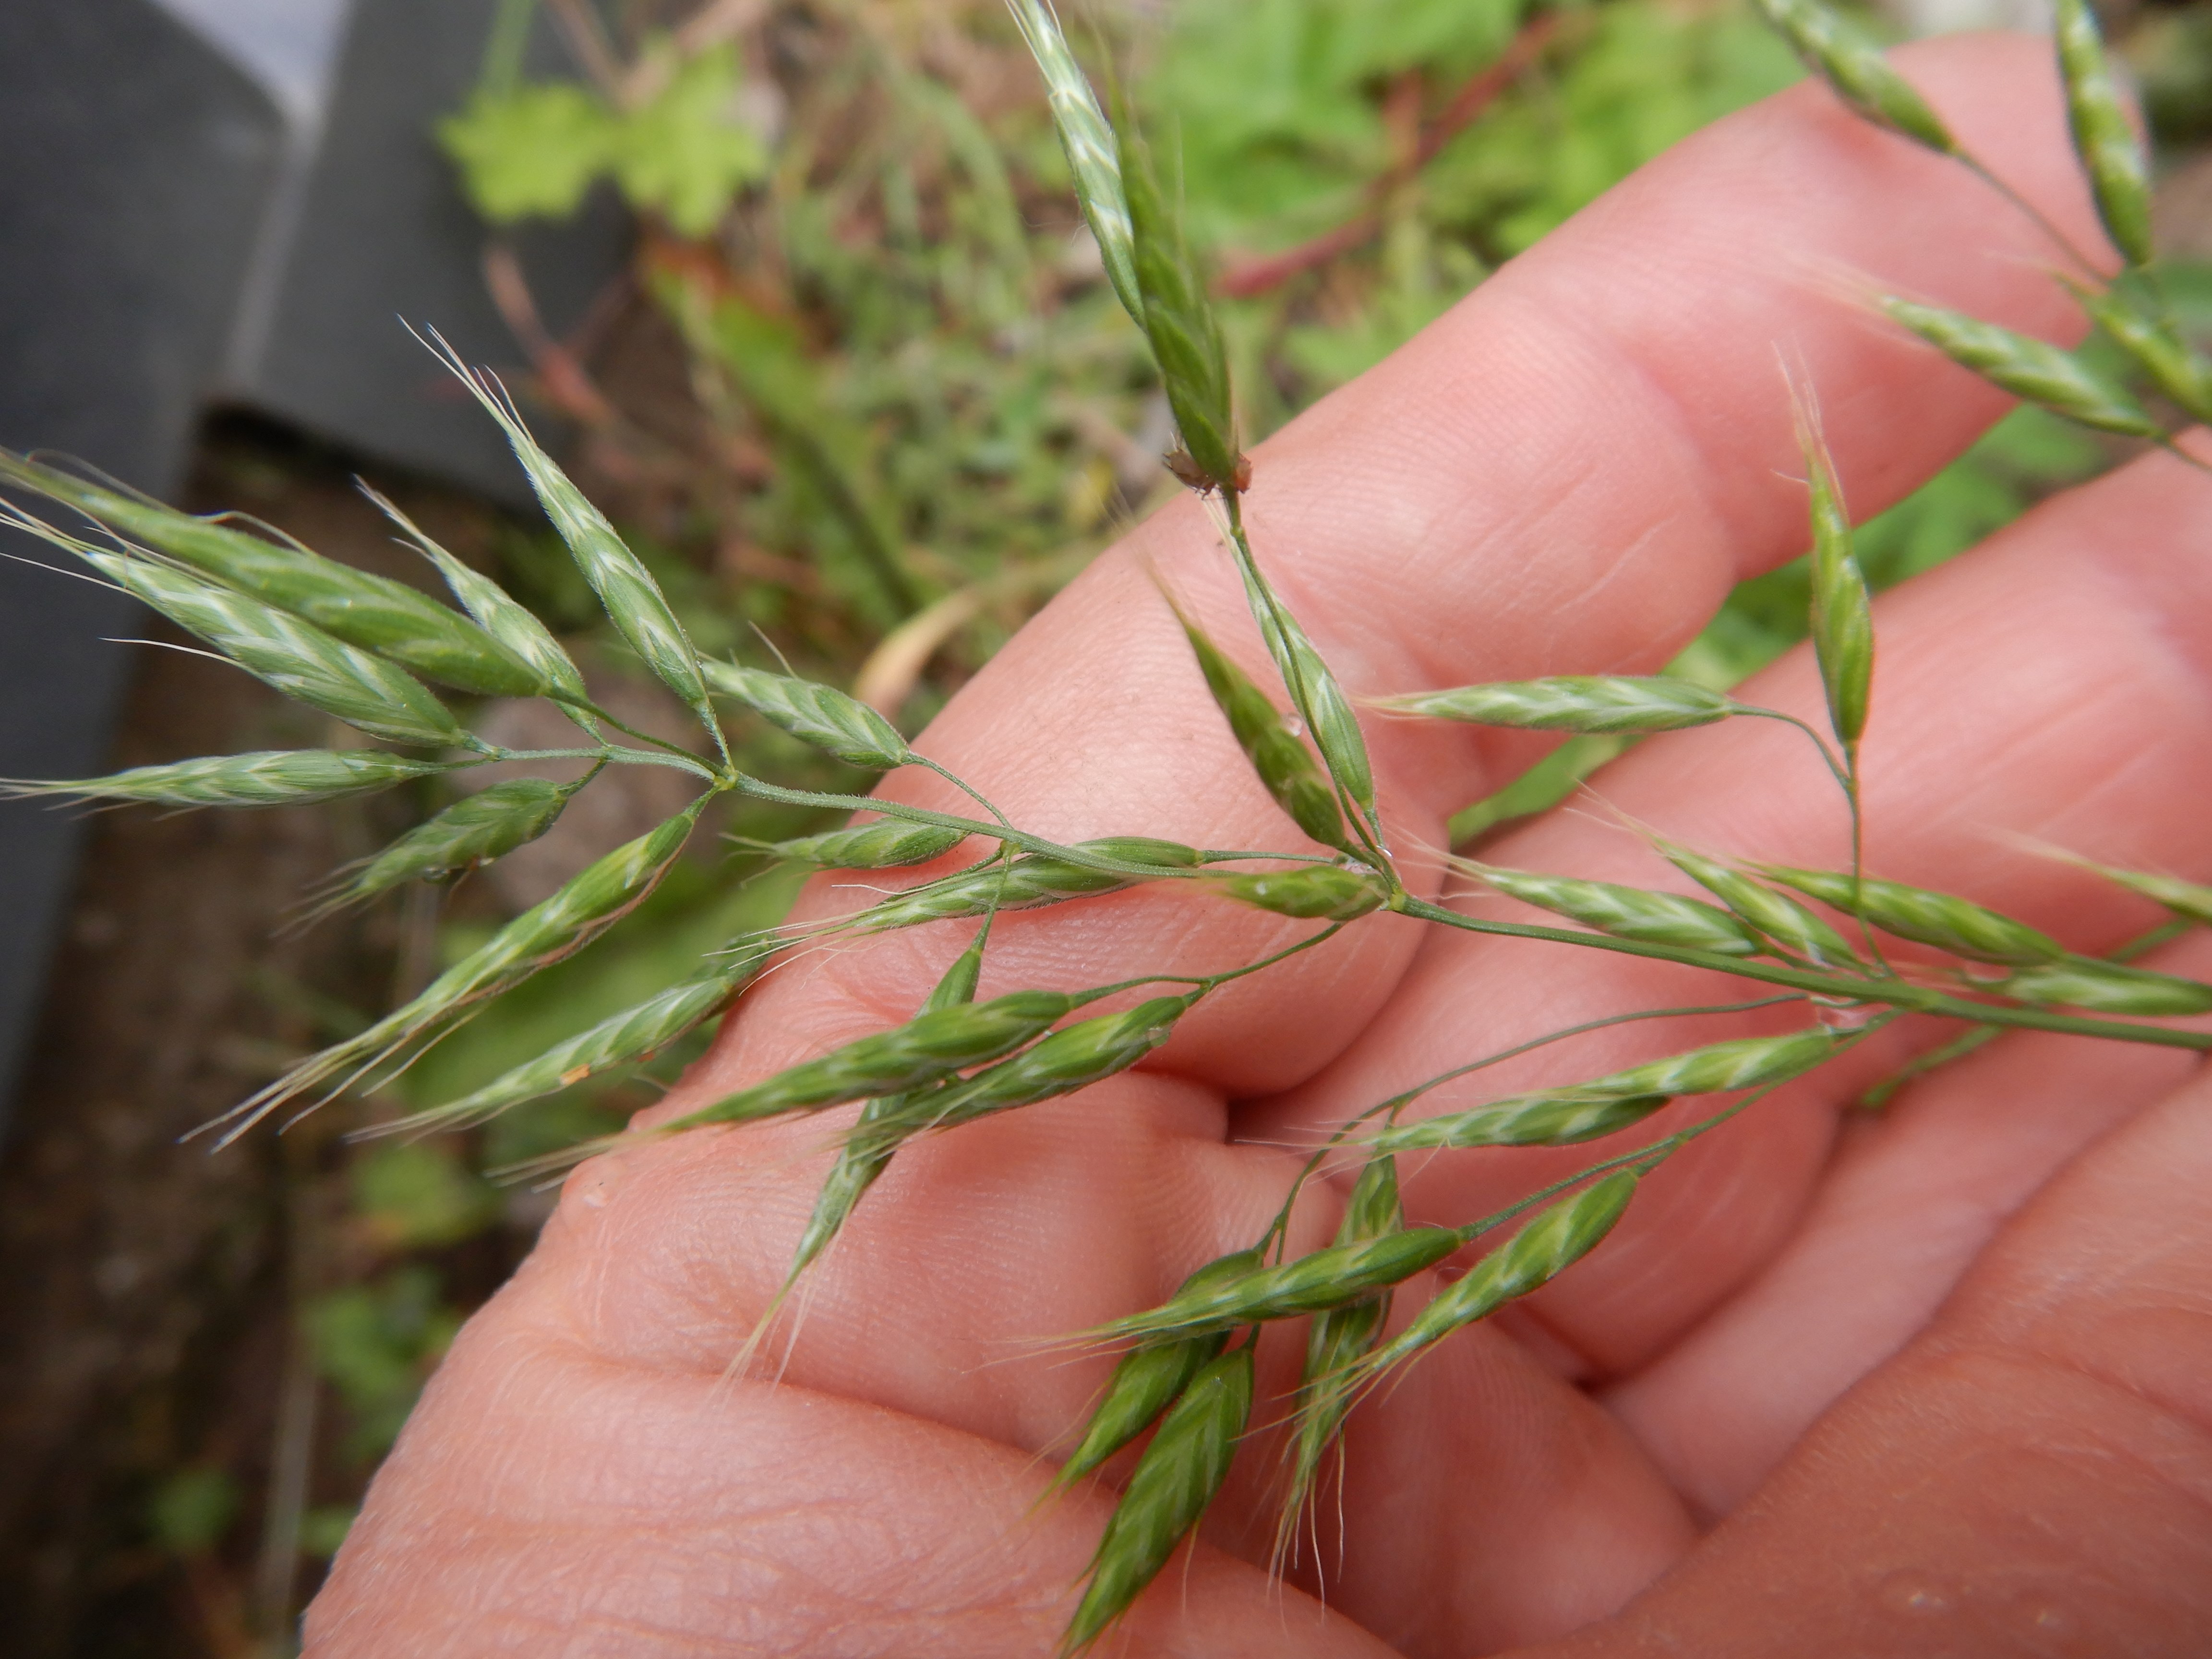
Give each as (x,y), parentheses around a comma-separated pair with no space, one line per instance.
(2011,1274)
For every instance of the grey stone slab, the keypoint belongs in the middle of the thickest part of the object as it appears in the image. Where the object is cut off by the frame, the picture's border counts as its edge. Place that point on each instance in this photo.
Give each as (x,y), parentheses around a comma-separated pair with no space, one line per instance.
(138,162)
(382,236)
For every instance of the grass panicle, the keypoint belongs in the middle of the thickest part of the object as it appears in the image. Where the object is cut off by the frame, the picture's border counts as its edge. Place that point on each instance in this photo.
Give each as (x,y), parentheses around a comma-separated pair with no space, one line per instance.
(888,844)
(1323,892)
(635,1033)
(1094,158)
(1584,703)
(353,645)
(1850,61)
(373,613)
(2029,369)
(2119,171)
(272,777)
(1283,764)
(2108,987)
(1631,912)
(1948,923)
(1168,1494)
(291,654)
(1150,1377)
(829,719)
(496,612)
(1583,1111)
(1792,928)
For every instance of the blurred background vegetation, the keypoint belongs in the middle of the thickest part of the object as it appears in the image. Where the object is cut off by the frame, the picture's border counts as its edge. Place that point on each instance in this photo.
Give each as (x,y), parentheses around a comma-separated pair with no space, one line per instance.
(864,393)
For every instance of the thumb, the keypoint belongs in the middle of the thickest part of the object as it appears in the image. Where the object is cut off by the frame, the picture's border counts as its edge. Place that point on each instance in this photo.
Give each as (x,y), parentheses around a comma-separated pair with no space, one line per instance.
(2031,1475)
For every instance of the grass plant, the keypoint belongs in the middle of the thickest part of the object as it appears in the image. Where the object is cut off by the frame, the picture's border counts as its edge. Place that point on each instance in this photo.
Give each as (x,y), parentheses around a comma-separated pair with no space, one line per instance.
(1819,941)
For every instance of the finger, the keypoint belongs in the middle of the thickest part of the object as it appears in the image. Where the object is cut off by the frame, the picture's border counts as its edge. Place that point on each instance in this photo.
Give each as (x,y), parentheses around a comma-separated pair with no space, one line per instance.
(2055,684)
(1566,473)
(660,1516)
(1908,1202)
(2033,1475)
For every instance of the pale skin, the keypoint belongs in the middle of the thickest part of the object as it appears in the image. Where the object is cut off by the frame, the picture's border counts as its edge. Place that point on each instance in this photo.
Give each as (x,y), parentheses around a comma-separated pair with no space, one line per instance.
(1933,1383)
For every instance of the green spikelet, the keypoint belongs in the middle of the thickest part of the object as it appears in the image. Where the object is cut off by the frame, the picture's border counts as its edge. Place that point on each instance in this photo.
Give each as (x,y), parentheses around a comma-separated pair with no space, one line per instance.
(1149,1378)
(496,611)
(1631,912)
(1283,764)
(1854,68)
(886,845)
(1093,154)
(2119,172)
(2029,369)
(1788,924)
(818,714)
(1586,703)
(1582,1111)
(1843,617)
(1168,1494)
(2108,987)
(295,657)
(276,777)
(1320,892)
(1951,924)
(626,589)
(371,612)
(634,1034)
(1559,1237)
(1179,322)
(472,831)
(585,908)
(1336,1340)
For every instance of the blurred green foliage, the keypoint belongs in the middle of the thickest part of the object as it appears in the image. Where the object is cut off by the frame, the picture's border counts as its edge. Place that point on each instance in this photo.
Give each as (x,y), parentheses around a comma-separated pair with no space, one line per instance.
(536,150)
(375,1343)
(189,1511)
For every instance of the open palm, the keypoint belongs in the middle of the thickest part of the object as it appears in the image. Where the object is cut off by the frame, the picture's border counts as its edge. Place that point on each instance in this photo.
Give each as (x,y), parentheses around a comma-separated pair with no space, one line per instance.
(1938,1382)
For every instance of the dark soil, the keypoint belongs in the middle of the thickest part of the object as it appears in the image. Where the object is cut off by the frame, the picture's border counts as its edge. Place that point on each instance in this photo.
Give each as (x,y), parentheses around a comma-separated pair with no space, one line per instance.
(147,1286)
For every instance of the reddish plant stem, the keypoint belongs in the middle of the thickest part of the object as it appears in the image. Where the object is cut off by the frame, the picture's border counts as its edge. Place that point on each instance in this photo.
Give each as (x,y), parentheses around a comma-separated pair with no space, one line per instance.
(1245,279)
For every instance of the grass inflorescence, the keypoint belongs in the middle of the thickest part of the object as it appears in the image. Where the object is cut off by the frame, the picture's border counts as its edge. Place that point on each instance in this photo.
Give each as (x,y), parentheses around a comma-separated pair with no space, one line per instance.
(368,651)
